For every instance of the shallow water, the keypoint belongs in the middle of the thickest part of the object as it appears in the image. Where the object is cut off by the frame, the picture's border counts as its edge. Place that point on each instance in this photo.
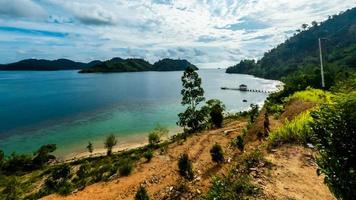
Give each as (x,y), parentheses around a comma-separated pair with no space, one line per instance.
(69,109)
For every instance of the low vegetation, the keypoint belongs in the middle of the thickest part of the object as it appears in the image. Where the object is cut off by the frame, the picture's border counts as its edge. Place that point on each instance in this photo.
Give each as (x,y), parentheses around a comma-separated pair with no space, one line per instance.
(185,167)
(334,134)
(217,154)
(296,131)
(141,194)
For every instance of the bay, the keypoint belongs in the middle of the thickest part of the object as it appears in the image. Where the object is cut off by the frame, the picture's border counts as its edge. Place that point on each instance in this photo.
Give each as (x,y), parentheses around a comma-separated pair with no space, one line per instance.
(69,109)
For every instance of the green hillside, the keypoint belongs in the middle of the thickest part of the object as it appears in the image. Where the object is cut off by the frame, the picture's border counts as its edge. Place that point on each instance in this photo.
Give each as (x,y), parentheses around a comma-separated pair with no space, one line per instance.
(299,55)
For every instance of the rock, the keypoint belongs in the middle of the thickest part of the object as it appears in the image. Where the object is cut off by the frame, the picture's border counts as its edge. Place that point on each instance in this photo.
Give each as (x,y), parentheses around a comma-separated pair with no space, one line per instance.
(310,145)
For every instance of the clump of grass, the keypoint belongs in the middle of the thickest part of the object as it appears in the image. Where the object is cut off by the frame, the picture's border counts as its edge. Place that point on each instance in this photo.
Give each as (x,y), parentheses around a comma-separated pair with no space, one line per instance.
(296,131)
(313,95)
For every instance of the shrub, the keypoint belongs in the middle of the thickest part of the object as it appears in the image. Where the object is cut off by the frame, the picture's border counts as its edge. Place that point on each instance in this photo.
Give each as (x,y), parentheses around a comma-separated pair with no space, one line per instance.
(238,188)
(141,194)
(253,113)
(148,155)
(334,133)
(12,191)
(216,153)
(154,137)
(185,167)
(125,167)
(17,163)
(109,143)
(296,131)
(239,142)
(214,108)
(42,155)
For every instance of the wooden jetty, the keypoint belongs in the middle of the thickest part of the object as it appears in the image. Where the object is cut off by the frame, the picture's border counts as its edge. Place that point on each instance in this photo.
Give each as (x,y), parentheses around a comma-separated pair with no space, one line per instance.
(247,90)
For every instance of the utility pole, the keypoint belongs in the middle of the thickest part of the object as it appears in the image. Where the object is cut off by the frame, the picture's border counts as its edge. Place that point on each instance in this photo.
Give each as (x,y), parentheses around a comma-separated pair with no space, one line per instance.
(321,64)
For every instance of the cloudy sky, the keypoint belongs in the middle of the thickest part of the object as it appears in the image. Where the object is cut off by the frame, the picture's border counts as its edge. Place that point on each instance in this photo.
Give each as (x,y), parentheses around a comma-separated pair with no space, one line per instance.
(209,33)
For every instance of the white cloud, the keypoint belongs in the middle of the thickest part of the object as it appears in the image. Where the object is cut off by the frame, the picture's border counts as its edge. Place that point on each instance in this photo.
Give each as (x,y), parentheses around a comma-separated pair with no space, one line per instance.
(20,8)
(208,33)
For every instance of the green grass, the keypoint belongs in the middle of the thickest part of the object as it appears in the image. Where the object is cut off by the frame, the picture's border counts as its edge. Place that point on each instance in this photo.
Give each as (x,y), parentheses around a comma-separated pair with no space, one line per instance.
(313,95)
(296,131)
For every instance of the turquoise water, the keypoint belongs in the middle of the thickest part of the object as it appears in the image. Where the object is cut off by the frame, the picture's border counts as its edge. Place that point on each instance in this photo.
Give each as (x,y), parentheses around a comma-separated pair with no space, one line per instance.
(69,109)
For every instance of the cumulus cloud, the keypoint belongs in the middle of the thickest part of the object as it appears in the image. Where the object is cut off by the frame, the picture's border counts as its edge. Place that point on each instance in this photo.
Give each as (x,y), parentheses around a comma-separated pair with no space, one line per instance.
(208,33)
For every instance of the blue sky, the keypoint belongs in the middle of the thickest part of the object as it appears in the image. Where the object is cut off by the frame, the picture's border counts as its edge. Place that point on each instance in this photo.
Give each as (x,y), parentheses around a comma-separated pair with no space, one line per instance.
(206,32)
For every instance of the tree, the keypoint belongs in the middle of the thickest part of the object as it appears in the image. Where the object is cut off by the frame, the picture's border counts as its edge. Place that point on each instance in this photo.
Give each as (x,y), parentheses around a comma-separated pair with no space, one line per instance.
(185,167)
(217,154)
(141,193)
(305,26)
(314,23)
(42,155)
(110,142)
(90,147)
(154,136)
(193,94)
(214,108)
(334,130)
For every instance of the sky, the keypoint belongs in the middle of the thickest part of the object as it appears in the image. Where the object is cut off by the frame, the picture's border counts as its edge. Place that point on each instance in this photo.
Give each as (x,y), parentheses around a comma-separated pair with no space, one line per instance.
(208,33)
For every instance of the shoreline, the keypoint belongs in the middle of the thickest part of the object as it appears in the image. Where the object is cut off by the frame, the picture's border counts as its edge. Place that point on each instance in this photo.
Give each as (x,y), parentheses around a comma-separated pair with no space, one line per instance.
(135,141)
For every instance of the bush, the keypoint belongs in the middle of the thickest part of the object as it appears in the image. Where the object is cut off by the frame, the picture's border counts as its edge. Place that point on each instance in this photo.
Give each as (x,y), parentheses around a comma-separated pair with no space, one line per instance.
(239,143)
(12,191)
(238,188)
(296,131)
(42,155)
(148,155)
(185,167)
(217,154)
(154,137)
(334,130)
(253,113)
(214,108)
(141,194)
(125,167)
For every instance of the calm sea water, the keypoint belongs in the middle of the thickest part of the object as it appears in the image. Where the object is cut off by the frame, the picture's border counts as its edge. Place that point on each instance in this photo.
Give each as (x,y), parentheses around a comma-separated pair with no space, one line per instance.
(69,109)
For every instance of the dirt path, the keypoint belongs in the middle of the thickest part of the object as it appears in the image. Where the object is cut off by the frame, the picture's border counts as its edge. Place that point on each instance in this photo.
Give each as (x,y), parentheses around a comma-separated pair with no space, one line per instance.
(294,176)
(160,175)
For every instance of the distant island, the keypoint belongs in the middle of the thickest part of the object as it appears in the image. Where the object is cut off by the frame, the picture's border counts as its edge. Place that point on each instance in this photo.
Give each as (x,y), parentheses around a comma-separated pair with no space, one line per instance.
(137,65)
(112,65)
(47,65)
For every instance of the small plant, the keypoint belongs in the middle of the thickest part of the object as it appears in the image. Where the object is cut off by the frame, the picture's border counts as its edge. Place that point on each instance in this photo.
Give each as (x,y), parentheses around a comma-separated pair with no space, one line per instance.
(185,167)
(239,143)
(214,108)
(125,167)
(141,194)
(90,147)
(148,155)
(109,143)
(217,154)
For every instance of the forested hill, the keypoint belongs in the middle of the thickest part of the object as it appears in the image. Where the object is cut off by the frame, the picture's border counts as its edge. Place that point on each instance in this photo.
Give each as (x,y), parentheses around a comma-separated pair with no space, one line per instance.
(137,65)
(300,53)
(46,65)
